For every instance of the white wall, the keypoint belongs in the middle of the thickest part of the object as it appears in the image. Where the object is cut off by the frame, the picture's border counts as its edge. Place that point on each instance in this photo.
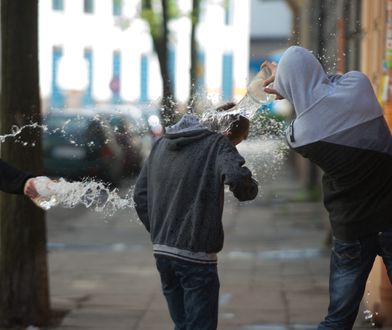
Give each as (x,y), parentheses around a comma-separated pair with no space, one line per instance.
(73,30)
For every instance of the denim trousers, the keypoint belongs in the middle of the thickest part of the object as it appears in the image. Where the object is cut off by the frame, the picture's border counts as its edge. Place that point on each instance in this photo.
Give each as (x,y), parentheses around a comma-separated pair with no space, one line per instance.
(191,291)
(351,263)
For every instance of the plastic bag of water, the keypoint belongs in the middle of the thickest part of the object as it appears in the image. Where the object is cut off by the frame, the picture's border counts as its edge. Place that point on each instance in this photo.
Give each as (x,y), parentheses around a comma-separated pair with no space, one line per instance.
(256,87)
(47,194)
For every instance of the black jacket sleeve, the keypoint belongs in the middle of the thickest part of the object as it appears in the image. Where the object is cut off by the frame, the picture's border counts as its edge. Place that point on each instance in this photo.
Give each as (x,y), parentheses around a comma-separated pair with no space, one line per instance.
(235,175)
(12,180)
(140,197)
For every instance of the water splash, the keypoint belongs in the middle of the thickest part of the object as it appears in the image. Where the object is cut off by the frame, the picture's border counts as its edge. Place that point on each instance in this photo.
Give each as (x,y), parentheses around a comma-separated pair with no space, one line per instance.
(264,157)
(221,121)
(368,314)
(16,131)
(264,154)
(92,194)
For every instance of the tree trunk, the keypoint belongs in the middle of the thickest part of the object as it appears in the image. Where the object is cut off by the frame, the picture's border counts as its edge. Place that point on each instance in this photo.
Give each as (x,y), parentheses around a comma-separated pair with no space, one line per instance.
(160,38)
(195,20)
(24,291)
(162,48)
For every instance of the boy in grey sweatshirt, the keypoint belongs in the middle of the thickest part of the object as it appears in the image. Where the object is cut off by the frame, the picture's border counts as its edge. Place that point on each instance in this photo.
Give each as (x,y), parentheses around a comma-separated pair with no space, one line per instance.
(340,127)
(179,198)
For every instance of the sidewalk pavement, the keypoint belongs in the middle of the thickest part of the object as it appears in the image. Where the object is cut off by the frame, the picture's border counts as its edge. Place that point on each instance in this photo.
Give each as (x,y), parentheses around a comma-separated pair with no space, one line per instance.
(273,268)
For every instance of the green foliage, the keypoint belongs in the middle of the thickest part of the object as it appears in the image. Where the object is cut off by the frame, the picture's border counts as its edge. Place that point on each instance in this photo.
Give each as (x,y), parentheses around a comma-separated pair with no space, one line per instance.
(173,9)
(153,20)
(154,17)
(194,15)
(117,2)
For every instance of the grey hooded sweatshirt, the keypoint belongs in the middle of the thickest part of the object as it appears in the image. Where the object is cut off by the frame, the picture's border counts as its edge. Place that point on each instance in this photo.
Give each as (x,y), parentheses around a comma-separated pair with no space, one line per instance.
(339,126)
(179,193)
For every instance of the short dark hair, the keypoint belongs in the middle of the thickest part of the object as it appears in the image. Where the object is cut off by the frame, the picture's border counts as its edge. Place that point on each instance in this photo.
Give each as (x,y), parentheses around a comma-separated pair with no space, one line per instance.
(239,126)
(238,123)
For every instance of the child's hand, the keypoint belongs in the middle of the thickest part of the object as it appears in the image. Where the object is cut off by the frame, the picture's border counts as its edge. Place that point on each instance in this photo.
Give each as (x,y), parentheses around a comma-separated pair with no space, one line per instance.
(272,66)
(29,189)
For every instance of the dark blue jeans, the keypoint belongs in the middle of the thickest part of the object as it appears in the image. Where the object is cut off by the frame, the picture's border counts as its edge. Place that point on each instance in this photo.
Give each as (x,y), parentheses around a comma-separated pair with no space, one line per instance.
(350,266)
(191,291)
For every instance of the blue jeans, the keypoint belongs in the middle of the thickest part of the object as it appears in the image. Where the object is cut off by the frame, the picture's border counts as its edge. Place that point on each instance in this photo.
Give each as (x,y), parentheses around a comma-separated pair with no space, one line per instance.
(351,262)
(191,291)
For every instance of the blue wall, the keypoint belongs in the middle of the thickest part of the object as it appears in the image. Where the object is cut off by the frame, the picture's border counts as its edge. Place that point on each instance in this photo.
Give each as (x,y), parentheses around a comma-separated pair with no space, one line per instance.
(144,78)
(227,77)
(56,98)
(116,78)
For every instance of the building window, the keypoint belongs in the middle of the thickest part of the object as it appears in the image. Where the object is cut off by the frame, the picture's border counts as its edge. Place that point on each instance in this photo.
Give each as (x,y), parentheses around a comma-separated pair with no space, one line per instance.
(58,5)
(88,6)
(57,98)
(144,78)
(117,7)
(227,77)
(116,78)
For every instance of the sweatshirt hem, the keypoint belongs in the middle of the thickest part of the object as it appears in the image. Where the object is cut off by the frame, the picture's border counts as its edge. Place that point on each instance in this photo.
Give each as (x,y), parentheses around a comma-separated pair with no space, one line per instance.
(197,257)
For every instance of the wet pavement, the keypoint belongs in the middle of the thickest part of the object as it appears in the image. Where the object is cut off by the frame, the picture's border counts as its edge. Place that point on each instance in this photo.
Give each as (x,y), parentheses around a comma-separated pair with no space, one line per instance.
(273,268)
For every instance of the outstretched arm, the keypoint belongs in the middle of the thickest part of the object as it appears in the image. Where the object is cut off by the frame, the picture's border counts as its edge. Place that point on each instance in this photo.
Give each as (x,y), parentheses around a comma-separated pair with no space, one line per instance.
(15,181)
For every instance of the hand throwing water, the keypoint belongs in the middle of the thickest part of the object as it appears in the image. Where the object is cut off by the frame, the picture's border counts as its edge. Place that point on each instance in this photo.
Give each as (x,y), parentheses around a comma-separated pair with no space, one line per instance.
(29,189)
(268,89)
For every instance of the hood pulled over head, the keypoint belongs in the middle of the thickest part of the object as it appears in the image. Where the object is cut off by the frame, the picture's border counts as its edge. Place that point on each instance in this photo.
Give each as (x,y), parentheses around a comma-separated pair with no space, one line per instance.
(186,131)
(324,105)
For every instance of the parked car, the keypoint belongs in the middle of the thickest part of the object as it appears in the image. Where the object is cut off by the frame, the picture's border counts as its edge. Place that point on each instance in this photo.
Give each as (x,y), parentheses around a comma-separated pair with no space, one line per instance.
(127,138)
(143,121)
(152,116)
(78,144)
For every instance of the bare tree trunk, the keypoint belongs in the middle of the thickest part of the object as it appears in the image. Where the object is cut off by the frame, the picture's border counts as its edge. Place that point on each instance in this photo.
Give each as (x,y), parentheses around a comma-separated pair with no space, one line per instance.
(160,38)
(194,49)
(162,49)
(24,291)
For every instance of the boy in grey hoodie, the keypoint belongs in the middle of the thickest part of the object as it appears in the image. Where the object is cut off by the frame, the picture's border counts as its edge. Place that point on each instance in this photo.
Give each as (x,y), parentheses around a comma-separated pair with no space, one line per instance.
(179,198)
(339,126)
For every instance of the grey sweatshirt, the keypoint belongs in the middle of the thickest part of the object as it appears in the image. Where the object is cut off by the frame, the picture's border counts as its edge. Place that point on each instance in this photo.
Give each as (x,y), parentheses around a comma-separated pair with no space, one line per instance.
(339,126)
(179,192)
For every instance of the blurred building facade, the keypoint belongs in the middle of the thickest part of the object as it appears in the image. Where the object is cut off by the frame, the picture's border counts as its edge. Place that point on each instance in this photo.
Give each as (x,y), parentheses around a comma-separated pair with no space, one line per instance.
(270,31)
(101,52)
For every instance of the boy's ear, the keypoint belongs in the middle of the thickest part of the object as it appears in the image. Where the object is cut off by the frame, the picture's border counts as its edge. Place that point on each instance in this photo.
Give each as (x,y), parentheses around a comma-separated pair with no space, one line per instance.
(229,134)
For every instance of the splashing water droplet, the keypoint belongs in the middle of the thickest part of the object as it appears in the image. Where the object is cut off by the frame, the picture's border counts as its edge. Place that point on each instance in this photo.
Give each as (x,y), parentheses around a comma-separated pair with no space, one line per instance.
(90,193)
(368,314)
(15,129)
